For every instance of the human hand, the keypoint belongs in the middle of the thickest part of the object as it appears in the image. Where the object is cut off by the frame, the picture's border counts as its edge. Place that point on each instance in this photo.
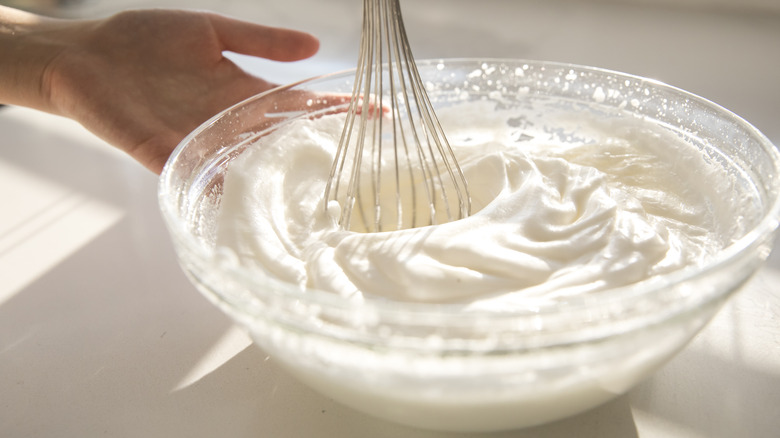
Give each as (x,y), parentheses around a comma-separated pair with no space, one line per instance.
(143,79)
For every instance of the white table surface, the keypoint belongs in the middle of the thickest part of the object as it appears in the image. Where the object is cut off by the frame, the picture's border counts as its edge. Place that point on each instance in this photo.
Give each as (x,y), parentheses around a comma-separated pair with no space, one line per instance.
(101,334)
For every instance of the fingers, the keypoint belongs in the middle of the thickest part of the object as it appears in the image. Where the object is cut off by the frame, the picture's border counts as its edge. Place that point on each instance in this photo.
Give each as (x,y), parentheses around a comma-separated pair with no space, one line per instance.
(273,43)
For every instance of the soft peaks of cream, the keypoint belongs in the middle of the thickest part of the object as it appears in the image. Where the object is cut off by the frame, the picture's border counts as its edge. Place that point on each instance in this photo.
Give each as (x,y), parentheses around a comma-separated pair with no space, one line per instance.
(551,219)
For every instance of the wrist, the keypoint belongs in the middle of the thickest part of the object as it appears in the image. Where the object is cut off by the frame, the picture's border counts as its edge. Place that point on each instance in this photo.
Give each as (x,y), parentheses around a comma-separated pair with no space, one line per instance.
(29,44)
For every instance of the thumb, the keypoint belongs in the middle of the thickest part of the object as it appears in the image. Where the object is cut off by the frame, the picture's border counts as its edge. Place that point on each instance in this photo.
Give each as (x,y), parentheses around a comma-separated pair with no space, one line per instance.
(272,43)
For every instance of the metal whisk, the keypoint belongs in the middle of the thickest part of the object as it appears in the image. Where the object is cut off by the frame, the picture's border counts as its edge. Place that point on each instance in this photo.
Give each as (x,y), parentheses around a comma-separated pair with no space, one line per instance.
(416,182)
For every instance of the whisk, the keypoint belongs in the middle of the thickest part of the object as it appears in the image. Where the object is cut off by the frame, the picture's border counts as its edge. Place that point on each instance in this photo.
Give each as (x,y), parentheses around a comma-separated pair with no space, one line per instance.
(418,182)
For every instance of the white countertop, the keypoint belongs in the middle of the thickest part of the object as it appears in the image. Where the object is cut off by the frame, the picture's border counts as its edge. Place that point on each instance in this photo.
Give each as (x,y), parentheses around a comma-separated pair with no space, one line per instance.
(101,334)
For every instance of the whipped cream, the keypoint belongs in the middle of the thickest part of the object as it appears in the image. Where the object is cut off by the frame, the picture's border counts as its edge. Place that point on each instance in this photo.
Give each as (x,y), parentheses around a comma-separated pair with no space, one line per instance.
(553,216)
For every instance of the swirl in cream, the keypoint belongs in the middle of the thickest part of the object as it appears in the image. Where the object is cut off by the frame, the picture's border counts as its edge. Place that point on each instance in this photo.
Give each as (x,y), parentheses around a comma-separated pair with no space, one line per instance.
(552,219)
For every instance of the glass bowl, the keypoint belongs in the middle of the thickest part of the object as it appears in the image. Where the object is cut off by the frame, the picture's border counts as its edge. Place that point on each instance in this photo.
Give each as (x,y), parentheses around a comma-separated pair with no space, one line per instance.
(435,366)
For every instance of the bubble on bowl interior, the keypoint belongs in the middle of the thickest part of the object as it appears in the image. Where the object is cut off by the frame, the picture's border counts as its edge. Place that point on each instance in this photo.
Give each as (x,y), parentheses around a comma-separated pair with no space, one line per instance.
(475,74)
(599,95)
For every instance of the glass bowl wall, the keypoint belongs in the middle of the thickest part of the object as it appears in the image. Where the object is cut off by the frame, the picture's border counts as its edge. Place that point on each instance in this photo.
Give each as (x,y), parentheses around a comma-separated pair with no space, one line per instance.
(434,366)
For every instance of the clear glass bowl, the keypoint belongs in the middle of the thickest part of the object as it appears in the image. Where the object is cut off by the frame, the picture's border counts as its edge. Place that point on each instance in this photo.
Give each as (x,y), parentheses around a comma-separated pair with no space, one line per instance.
(432,365)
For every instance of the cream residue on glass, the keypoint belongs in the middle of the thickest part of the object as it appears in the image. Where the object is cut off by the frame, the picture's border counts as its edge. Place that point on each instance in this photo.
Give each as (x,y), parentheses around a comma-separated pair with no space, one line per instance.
(551,219)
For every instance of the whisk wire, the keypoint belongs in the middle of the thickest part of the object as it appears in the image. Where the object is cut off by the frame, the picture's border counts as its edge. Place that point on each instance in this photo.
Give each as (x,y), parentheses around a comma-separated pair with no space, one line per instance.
(385,62)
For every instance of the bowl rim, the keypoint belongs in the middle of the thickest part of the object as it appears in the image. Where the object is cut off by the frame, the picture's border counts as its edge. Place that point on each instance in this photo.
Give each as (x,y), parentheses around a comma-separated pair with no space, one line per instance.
(756,236)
